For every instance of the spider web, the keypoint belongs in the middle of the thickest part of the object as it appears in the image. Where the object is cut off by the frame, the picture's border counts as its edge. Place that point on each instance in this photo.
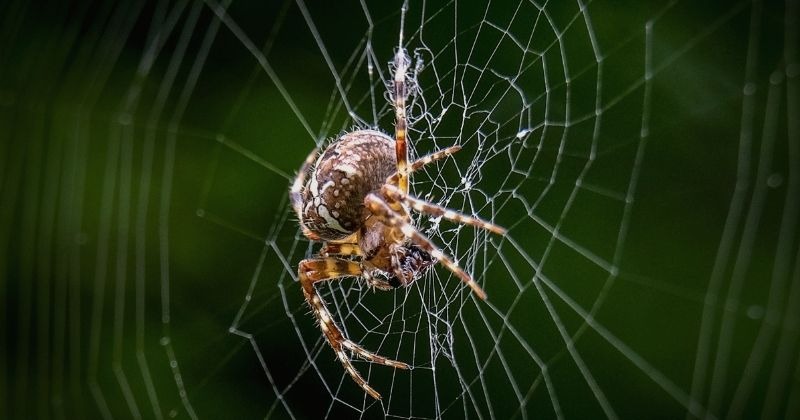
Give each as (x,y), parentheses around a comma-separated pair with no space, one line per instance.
(642,157)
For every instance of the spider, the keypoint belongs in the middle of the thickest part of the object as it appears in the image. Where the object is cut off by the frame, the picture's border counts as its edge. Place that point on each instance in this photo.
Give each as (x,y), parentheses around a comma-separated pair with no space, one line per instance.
(356,202)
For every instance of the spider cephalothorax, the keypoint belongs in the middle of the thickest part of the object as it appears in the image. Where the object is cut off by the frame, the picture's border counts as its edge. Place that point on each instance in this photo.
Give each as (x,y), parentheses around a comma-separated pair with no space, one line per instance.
(354,197)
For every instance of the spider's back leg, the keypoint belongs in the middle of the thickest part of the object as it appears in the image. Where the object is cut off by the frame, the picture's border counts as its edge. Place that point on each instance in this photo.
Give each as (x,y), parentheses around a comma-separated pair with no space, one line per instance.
(316,270)
(341,249)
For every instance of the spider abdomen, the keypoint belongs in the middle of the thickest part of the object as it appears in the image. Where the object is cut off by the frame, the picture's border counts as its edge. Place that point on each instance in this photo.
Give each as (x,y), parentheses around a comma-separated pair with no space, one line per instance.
(345,172)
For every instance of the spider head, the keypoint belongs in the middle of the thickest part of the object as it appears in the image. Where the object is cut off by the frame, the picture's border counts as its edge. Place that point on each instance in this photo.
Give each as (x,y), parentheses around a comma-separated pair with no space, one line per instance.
(413,262)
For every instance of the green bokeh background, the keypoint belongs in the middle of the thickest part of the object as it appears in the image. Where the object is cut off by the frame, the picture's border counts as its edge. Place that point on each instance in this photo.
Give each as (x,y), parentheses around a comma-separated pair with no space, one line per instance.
(107,190)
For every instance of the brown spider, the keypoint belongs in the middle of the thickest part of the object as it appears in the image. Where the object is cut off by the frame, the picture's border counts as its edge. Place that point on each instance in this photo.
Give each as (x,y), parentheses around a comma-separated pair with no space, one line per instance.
(356,202)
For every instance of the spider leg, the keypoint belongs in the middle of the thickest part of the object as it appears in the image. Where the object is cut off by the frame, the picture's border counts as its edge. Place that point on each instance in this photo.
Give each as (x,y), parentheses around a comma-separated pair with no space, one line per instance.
(424,207)
(351,250)
(343,249)
(316,270)
(377,283)
(378,207)
(401,62)
(296,193)
(425,160)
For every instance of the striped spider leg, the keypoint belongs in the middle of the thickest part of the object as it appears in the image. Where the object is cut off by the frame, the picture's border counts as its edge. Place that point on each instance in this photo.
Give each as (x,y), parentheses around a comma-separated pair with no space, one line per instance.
(315,270)
(384,209)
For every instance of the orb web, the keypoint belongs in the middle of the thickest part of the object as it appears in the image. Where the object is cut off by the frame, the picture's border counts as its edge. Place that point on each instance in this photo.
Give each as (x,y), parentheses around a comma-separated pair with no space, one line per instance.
(642,158)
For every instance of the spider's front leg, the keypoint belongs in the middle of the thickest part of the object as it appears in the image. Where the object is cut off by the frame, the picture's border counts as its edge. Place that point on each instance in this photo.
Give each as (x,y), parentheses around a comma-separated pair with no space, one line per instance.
(380,209)
(315,270)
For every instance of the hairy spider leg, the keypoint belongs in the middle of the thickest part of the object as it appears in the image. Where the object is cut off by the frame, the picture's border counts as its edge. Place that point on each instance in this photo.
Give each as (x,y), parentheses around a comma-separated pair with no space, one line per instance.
(419,163)
(296,193)
(401,62)
(380,209)
(425,160)
(424,207)
(315,270)
(345,249)
(348,249)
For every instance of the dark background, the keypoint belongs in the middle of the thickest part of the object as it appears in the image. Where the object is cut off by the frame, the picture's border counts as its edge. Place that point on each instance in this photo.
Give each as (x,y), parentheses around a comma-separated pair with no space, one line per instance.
(650,270)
